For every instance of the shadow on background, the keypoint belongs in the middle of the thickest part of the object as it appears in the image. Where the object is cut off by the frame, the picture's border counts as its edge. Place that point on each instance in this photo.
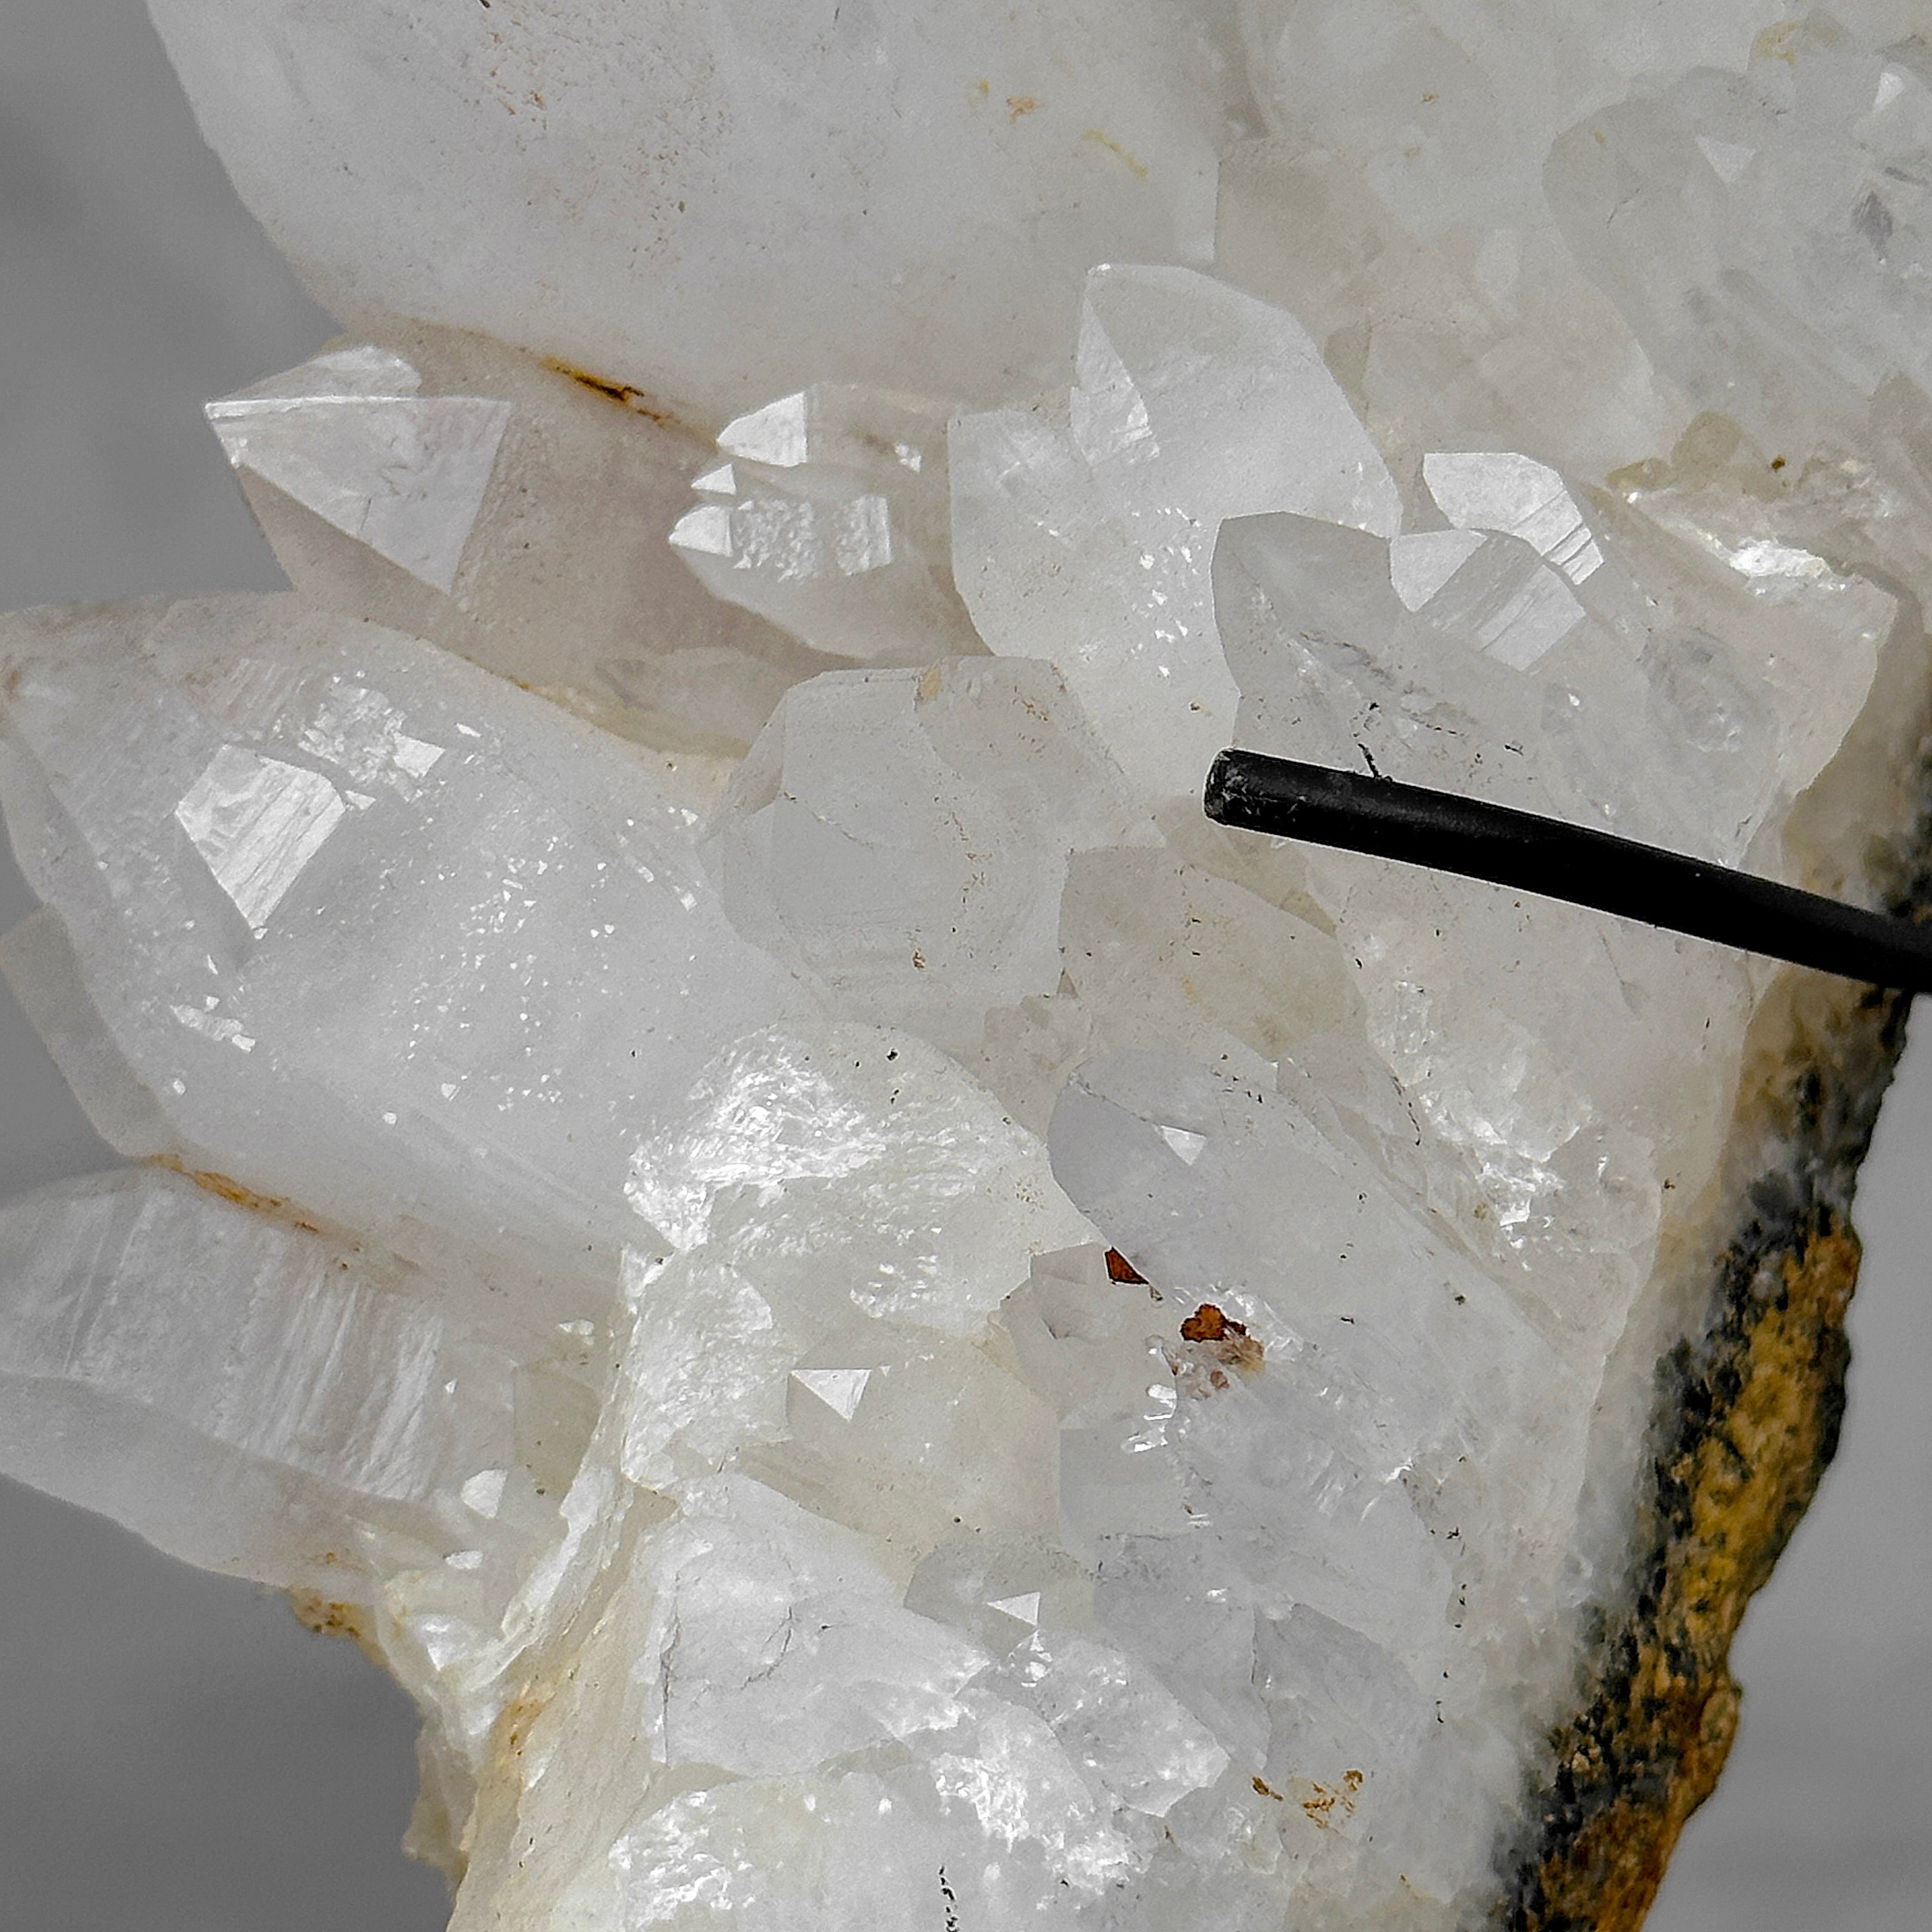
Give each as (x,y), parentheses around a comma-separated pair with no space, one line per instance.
(177,1755)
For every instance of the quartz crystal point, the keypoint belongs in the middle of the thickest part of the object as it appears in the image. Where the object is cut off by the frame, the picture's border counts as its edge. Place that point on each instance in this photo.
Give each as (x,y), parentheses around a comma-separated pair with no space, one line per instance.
(347,437)
(830,514)
(885,1326)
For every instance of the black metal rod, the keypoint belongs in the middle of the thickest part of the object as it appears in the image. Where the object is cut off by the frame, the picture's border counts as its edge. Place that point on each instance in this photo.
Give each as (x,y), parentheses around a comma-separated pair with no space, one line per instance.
(1571,862)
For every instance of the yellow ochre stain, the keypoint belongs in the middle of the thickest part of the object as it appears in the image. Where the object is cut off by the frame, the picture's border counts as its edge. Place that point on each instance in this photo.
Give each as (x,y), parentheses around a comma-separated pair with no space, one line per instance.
(1135,165)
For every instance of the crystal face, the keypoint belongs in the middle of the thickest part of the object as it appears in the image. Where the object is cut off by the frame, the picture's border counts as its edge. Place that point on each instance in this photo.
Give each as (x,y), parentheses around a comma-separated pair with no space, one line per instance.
(347,437)
(883,1324)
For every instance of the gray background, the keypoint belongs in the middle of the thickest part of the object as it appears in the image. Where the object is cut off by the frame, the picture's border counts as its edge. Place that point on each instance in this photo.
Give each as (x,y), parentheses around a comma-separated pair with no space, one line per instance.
(176,1754)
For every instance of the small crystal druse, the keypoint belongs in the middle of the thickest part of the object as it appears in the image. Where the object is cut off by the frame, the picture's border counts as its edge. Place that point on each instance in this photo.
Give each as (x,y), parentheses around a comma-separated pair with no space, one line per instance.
(887,1327)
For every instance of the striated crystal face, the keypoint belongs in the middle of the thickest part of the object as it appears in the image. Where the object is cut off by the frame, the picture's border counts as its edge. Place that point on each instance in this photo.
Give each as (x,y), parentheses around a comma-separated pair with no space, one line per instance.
(886,1326)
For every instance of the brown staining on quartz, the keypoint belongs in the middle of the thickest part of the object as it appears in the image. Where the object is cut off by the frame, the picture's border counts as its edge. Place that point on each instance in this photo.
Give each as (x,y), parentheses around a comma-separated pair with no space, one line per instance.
(272,1205)
(1207,1324)
(1222,1340)
(513,1728)
(315,1612)
(630,397)
(1134,165)
(1319,1802)
(1122,1270)
(220,1185)
(1212,1343)
(1747,1417)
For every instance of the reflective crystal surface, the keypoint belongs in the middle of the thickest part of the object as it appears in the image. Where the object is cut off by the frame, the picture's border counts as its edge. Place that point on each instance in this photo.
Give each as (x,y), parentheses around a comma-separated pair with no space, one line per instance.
(884,1325)
(347,437)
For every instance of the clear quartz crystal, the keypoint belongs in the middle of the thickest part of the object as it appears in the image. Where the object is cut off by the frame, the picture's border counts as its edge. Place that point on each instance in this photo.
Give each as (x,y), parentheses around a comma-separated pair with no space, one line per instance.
(829,514)
(347,437)
(884,1325)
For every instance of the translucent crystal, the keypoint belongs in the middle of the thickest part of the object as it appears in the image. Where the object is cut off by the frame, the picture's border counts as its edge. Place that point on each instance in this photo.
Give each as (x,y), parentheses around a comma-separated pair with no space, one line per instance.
(306,1385)
(1085,533)
(347,435)
(885,1325)
(565,582)
(830,518)
(1449,110)
(256,823)
(367,924)
(1769,237)
(903,837)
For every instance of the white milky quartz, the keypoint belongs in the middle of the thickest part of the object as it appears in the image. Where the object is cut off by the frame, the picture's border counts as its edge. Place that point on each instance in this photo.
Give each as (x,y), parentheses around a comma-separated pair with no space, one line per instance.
(302,1376)
(1800,224)
(885,1326)
(916,184)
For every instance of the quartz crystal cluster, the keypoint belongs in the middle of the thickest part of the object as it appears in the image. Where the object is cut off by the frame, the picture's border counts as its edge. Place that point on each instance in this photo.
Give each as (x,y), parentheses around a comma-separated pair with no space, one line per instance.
(886,1327)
